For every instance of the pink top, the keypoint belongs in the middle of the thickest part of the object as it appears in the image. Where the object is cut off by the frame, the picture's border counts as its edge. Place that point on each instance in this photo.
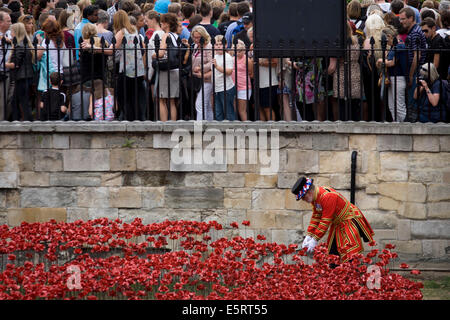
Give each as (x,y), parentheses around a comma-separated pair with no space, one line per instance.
(242,75)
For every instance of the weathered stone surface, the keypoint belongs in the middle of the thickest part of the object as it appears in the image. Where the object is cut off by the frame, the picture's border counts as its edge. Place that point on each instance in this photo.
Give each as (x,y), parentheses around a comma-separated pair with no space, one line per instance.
(153,197)
(16,160)
(9,141)
(80,141)
(111,179)
(86,160)
(163,141)
(74,179)
(388,204)
(225,216)
(195,198)
(12,198)
(438,192)
(48,160)
(255,180)
(385,234)
(198,180)
(404,229)
(419,161)
(338,161)
(362,142)
(435,176)
(439,210)
(405,247)
(74,214)
(261,219)
(393,175)
(287,236)
(57,197)
(288,220)
(237,193)
(153,160)
(229,180)
(125,197)
(302,162)
(430,229)
(3,217)
(110,213)
(304,141)
(34,179)
(123,159)
(365,201)
(268,199)
(237,203)
(444,143)
(291,202)
(61,141)
(394,143)
(381,219)
(8,180)
(426,143)
(327,142)
(413,210)
(34,141)
(394,161)
(287,180)
(93,197)
(402,191)
(31,215)
(435,248)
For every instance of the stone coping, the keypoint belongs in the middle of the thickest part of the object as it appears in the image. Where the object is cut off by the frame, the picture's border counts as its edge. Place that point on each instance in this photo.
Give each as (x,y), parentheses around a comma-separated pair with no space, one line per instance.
(282,126)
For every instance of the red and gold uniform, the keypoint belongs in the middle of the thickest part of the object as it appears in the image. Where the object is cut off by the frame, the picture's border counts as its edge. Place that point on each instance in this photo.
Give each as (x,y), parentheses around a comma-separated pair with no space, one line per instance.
(347,222)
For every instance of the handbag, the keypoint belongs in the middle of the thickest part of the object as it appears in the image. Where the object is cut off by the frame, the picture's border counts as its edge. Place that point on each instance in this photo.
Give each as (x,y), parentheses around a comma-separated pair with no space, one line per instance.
(71,72)
(387,82)
(171,58)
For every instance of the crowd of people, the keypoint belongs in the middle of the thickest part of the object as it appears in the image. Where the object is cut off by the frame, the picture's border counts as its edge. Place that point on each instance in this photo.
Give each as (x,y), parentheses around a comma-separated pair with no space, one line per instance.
(195,60)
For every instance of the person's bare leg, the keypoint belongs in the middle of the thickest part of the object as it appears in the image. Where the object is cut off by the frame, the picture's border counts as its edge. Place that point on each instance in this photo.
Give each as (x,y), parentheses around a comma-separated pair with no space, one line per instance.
(163,112)
(320,110)
(242,106)
(173,109)
(287,108)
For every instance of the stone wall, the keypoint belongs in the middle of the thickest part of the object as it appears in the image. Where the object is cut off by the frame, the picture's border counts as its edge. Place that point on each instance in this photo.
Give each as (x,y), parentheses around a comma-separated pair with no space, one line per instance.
(69,171)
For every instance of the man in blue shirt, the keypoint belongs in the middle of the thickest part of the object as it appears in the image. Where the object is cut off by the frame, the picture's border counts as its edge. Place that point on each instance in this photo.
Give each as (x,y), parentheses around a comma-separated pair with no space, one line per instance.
(416,43)
(90,15)
(242,9)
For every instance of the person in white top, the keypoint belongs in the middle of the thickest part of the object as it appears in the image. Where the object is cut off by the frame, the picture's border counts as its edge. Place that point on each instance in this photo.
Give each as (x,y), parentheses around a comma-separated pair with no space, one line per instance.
(224,88)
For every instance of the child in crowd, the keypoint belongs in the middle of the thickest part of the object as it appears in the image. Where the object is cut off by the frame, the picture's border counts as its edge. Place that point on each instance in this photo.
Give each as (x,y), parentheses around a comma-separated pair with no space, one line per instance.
(98,110)
(224,89)
(243,84)
(53,100)
(79,102)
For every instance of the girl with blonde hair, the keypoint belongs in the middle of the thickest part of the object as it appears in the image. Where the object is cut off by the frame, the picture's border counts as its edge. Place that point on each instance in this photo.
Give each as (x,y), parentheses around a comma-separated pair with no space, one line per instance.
(21,65)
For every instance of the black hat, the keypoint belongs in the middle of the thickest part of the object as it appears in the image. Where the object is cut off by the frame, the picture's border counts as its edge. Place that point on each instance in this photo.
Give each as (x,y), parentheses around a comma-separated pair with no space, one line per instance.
(247,18)
(301,187)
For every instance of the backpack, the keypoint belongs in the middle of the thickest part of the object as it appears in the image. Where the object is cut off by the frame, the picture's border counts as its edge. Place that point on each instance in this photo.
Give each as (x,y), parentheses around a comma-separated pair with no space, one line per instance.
(237,29)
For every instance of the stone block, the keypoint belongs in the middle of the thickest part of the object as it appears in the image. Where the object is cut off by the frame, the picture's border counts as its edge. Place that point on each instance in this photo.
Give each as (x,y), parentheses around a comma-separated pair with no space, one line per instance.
(365,201)
(405,247)
(111,179)
(8,180)
(9,141)
(32,215)
(413,210)
(430,229)
(393,175)
(12,198)
(394,161)
(435,248)
(16,160)
(385,234)
(302,162)
(254,180)
(426,143)
(48,160)
(362,142)
(237,193)
(304,141)
(62,179)
(440,210)
(237,203)
(427,176)
(225,217)
(198,180)
(93,197)
(404,229)
(61,141)
(381,219)
(34,179)
(268,199)
(438,192)
(96,213)
(123,159)
(394,143)
(195,198)
(291,202)
(444,142)
(423,161)
(403,191)
(153,160)
(163,141)
(125,197)
(3,217)
(36,141)
(54,197)
(229,179)
(336,162)
(329,142)
(287,180)
(261,219)
(388,204)
(152,197)
(86,160)
(81,140)
(288,220)
(340,180)
(74,214)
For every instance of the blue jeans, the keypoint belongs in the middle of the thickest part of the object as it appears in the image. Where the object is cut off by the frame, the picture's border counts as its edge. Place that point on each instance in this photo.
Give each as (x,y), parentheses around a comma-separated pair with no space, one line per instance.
(221,104)
(411,111)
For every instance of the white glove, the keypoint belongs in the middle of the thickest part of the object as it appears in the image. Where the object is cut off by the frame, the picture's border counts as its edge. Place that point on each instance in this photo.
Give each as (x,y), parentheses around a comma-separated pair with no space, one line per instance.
(306,241)
(311,245)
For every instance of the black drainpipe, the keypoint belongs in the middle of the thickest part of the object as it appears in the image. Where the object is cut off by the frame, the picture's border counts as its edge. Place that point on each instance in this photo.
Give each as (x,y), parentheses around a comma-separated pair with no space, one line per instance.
(353,177)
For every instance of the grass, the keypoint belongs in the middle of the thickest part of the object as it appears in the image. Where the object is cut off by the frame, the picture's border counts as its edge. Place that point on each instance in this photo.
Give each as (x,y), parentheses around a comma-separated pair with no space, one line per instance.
(437,289)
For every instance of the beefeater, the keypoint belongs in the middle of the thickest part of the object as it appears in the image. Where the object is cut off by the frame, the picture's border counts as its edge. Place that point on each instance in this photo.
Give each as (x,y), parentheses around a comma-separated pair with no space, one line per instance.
(331,209)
